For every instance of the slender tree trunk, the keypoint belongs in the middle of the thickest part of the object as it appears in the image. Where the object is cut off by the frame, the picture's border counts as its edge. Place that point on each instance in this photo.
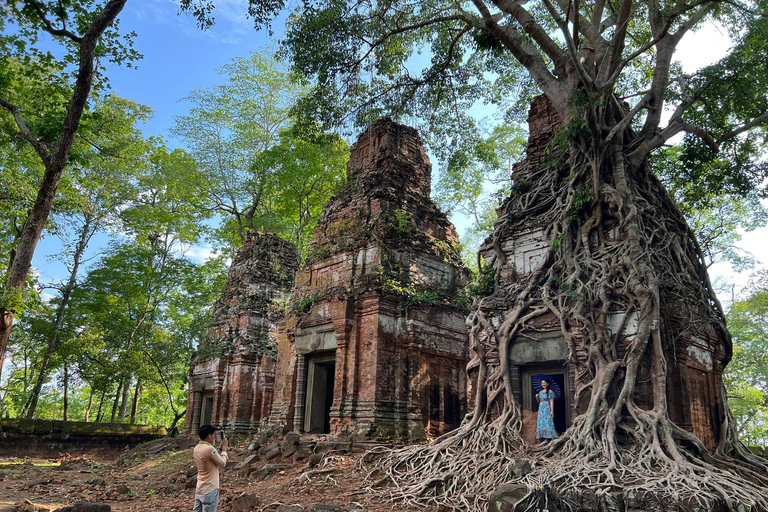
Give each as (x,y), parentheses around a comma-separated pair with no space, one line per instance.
(54,161)
(101,405)
(66,391)
(135,406)
(82,243)
(176,418)
(116,402)
(88,409)
(126,397)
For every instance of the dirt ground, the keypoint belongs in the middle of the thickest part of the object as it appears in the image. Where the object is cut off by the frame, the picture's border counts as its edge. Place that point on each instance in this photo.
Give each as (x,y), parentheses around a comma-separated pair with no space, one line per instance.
(138,481)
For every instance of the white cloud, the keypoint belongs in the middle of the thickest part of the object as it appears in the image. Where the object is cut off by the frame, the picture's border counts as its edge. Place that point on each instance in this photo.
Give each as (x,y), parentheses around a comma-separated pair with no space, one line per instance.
(198,253)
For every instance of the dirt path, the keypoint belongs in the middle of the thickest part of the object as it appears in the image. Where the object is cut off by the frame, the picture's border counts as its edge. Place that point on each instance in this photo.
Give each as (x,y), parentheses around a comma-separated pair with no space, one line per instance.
(161,482)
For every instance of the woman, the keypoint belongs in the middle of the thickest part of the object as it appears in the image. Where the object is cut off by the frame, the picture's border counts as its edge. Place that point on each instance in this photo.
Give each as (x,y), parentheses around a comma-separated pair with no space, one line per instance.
(545,425)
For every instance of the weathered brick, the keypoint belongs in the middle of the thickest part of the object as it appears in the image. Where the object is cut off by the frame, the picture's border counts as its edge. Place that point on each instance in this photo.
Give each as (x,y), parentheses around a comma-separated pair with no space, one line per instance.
(236,367)
(377,295)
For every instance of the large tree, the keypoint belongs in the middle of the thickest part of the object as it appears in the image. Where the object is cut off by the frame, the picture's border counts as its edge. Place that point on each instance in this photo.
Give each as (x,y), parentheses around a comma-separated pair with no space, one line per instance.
(263,172)
(609,69)
(49,124)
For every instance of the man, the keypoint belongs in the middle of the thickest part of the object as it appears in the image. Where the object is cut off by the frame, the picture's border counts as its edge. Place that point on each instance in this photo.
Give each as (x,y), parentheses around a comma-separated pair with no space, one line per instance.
(208,461)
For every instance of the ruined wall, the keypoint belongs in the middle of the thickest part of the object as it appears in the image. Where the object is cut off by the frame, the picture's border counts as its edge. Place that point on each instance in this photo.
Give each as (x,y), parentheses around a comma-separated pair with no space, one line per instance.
(695,360)
(232,376)
(24,438)
(375,304)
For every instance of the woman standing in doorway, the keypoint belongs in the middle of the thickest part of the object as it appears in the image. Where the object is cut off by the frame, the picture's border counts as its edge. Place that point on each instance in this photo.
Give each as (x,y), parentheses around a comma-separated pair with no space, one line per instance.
(545,424)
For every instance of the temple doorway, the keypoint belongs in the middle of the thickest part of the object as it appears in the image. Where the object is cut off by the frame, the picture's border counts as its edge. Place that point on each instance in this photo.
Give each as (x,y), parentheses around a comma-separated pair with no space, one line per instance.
(562,409)
(320,380)
(206,411)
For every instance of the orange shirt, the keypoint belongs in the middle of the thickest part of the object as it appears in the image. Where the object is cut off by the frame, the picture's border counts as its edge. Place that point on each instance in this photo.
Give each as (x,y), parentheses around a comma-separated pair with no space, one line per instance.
(208,461)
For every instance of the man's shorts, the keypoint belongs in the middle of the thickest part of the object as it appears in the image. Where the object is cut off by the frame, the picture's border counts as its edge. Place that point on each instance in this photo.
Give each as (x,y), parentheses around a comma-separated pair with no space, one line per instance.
(206,502)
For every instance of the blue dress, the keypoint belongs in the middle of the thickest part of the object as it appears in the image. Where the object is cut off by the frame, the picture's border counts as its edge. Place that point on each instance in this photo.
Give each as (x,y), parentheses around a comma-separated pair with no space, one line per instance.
(545,424)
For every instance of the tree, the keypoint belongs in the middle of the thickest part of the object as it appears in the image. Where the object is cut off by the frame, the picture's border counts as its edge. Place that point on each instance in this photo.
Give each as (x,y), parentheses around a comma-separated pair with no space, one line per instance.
(301,171)
(609,70)
(475,184)
(715,216)
(268,172)
(227,129)
(52,132)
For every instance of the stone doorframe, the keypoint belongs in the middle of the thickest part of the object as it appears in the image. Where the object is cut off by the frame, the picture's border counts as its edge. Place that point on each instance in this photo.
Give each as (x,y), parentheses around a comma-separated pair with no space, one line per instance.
(547,369)
(313,361)
(309,341)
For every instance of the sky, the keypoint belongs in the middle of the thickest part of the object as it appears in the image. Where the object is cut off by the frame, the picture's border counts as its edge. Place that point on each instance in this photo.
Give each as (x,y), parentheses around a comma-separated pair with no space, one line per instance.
(179,57)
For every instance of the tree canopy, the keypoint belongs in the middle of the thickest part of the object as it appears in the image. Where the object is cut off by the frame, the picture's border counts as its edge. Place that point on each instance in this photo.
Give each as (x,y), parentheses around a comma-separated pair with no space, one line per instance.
(264,171)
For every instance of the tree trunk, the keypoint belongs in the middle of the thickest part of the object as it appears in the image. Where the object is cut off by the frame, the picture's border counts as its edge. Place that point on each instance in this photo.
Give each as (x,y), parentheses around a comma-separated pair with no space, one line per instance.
(116,402)
(126,397)
(101,405)
(66,392)
(54,162)
(135,406)
(82,243)
(90,404)
(176,418)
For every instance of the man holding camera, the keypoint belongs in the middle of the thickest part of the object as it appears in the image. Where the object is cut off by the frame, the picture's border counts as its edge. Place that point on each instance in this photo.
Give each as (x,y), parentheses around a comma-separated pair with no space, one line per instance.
(209,461)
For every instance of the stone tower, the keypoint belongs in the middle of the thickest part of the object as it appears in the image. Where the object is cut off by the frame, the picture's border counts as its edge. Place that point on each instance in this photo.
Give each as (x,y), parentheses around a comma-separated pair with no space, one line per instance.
(375,345)
(696,362)
(232,376)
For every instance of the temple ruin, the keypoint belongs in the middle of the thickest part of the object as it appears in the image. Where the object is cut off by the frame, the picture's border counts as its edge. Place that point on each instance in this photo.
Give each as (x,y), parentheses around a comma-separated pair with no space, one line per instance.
(374,346)
(232,375)
(696,360)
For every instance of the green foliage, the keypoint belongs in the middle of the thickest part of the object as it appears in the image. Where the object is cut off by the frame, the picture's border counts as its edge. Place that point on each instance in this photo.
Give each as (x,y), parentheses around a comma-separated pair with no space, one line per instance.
(394,281)
(302,171)
(731,92)
(567,290)
(264,170)
(581,202)
(556,242)
(19,301)
(485,284)
(746,376)
(520,187)
(304,304)
(717,218)
(415,298)
(401,223)
(477,179)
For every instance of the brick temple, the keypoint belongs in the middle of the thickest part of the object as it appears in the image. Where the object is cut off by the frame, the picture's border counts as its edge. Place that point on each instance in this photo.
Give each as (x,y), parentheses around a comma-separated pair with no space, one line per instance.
(695,363)
(232,375)
(374,346)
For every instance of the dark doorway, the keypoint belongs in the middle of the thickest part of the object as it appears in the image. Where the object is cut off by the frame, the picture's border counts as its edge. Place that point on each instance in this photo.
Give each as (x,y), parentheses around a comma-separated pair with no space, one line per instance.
(561,409)
(320,381)
(207,409)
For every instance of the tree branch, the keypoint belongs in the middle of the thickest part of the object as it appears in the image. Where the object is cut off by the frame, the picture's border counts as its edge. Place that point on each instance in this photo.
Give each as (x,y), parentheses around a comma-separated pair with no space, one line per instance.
(533,29)
(743,128)
(48,27)
(526,54)
(588,29)
(24,131)
(570,42)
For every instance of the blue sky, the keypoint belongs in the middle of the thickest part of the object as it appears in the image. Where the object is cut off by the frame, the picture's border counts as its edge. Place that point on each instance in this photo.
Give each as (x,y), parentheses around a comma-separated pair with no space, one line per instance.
(179,57)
